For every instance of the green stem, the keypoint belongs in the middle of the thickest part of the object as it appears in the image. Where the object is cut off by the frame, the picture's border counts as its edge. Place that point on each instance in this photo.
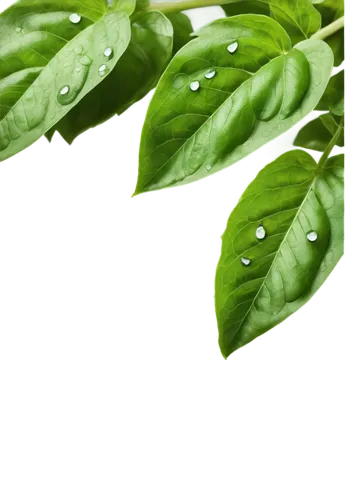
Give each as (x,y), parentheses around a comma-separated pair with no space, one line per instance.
(179,5)
(331,145)
(329,30)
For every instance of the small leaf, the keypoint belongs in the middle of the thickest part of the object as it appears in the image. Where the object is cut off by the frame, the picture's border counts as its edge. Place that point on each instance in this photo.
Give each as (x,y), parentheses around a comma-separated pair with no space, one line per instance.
(300,208)
(135,74)
(225,94)
(313,134)
(318,133)
(299,18)
(182,29)
(333,97)
(127,6)
(331,10)
(51,57)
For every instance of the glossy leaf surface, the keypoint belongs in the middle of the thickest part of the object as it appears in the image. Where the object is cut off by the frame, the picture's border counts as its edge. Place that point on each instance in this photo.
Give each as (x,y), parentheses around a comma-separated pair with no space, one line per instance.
(135,74)
(318,133)
(51,57)
(235,87)
(333,97)
(331,10)
(127,6)
(182,27)
(282,241)
(299,18)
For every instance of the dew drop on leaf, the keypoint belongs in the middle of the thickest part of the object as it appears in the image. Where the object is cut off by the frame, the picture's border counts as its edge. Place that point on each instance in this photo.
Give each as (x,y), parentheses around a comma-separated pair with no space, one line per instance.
(65,90)
(86,61)
(210,74)
(260,233)
(108,52)
(75,18)
(245,261)
(180,81)
(208,167)
(78,49)
(232,48)
(312,236)
(18,29)
(194,86)
(103,70)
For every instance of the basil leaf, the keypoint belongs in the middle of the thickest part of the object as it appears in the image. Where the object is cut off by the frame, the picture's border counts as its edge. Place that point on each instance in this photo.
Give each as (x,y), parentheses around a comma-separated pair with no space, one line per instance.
(318,133)
(142,5)
(333,97)
(282,241)
(299,18)
(51,57)
(330,11)
(135,74)
(234,88)
(182,26)
(127,6)
(182,29)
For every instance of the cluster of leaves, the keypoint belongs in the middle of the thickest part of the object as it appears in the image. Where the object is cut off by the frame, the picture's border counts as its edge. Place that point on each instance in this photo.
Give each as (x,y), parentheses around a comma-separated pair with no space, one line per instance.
(223,92)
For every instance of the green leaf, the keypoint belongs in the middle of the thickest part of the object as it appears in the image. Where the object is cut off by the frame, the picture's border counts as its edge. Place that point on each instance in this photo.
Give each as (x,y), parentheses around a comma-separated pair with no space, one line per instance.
(127,6)
(182,26)
(244,100)
(142,5)
(318,133)
(296,208)
(136,73)
(51,57)
(182,29)
(333,97)
(299,18)
(331,10)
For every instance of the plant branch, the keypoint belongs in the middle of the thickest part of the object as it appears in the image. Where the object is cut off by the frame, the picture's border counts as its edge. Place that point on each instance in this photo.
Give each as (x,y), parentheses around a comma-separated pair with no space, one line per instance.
(331,144)
(179,5)
(329,30)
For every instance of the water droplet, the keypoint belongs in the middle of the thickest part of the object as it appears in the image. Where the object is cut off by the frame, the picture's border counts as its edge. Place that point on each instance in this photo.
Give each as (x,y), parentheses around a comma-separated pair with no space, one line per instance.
(65,90)
(103,70)
(75,18)
(245,261)
(78,49)
(86,61)
(232,48)
(108,52)
(210,74)
(194,86)
(18,29)
(312,236)
(180,81)
(208,167)
(260,233)
(69,93)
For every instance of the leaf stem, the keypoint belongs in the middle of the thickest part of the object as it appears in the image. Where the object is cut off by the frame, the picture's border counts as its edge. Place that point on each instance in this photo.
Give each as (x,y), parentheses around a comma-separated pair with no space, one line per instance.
(179,5)
(331,145)
(329,30)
